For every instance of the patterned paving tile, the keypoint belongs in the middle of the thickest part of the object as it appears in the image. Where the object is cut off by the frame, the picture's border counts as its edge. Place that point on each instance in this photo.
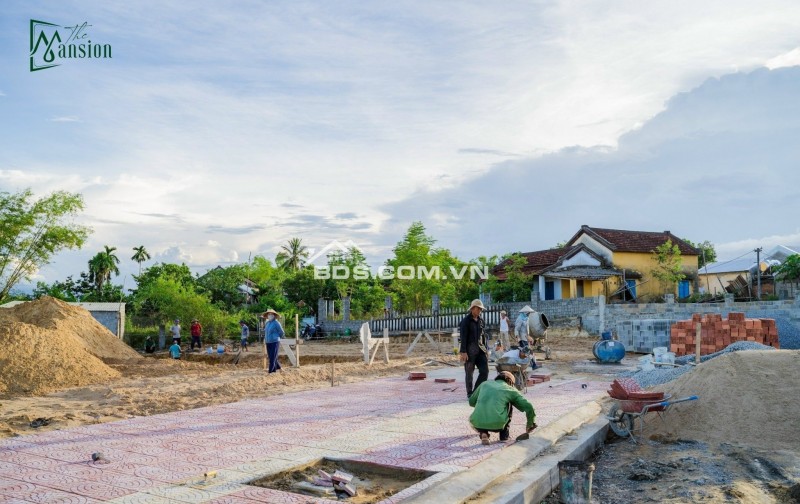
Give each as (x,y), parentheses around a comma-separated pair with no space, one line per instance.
(161,459)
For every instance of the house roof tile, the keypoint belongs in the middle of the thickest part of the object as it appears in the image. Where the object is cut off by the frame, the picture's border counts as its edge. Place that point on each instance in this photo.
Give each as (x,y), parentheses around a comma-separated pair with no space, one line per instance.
(619,240)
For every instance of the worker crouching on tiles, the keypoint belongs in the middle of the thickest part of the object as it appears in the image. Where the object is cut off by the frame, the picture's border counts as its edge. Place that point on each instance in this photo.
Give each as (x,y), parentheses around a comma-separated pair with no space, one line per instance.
(494,402)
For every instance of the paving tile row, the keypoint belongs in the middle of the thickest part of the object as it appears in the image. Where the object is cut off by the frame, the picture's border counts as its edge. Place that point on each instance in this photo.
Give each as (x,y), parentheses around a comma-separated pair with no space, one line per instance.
(163,458)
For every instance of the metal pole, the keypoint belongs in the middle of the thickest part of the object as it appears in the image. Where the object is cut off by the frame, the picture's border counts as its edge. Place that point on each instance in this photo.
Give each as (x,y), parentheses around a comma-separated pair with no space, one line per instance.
(758,271)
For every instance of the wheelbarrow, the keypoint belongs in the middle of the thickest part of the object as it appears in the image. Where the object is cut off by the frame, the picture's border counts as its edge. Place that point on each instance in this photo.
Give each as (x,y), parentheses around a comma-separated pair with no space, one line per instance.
(624,413)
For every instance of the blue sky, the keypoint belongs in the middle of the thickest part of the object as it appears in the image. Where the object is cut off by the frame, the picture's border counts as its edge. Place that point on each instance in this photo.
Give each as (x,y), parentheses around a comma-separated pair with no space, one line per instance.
(219,131)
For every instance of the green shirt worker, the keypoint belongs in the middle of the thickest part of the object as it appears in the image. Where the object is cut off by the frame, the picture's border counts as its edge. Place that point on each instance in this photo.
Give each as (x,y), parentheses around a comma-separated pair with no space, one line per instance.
(494,402)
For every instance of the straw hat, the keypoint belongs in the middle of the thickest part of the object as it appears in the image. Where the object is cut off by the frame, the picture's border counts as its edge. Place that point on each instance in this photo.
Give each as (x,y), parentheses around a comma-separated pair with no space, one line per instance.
(478,303)
(270,311)
(506,377)
(527,309)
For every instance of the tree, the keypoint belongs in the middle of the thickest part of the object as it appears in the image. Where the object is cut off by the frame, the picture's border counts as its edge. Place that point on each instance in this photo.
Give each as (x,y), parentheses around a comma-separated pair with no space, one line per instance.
(31,232)
(102,265)
(140,255)
(166,298)
(222,284)
(292,255)
(667,257)
(789,271)
(516,286)
(707,253)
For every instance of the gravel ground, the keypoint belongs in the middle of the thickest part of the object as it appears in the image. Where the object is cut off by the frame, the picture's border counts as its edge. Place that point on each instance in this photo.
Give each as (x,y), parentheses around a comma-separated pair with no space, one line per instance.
(662,375)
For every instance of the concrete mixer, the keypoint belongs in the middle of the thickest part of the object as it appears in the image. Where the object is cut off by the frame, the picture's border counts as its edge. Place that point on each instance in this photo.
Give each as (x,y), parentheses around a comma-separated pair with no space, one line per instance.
(532,325)
(537,329)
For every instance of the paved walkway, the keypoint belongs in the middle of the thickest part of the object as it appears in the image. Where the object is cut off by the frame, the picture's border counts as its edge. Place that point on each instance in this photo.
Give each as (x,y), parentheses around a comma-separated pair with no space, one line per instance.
(162,458)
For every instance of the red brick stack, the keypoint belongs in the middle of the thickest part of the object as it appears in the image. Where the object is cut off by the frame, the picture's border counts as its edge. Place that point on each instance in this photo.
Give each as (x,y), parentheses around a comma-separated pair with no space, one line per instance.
(717,333)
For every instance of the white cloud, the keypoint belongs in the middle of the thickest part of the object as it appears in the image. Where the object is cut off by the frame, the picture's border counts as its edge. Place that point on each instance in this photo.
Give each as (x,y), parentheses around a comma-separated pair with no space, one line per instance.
(65,119)
(791,58)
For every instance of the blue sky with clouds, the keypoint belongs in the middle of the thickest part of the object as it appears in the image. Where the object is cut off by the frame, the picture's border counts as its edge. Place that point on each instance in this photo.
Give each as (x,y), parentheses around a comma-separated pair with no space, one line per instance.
(220,131)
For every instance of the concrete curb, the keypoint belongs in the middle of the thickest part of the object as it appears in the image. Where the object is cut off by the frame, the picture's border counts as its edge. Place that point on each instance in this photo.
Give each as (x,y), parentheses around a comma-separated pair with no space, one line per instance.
(534,482)
(465,485)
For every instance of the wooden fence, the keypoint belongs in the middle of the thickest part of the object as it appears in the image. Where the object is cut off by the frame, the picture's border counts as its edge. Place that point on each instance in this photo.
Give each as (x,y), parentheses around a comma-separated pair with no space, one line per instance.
(443,320)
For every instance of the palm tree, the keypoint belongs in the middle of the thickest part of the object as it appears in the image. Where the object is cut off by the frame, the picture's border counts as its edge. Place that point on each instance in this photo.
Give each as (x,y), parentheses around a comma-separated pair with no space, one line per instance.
(102,265)
(141,255)
(292,255)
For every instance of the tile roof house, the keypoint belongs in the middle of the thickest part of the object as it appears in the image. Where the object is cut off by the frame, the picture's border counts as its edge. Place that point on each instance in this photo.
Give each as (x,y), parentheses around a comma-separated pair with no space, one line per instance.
(615,263)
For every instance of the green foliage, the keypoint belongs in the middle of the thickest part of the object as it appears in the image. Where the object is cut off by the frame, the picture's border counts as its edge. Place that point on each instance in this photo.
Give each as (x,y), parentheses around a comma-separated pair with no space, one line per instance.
(707,253)
(222,284)
(789,271)
(292,255)
(101,266)
(517,285)
(166,298)
(178,272)
(302,286)
(140,255)
(31,232)
(667,257)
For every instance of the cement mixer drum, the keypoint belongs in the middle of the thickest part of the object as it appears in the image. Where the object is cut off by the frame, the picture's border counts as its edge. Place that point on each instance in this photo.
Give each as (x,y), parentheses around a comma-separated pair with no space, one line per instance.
(537,325)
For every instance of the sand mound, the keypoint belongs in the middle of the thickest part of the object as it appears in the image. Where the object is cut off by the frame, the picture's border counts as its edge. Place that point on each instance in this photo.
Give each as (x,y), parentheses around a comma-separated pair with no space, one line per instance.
(748,397)
(36,361)
(51,313)
(48,345)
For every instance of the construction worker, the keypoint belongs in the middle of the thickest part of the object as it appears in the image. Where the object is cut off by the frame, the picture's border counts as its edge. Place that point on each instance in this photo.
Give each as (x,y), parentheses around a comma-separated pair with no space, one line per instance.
(494,401)
(521,327)
(273,332)
(175,351)
(245,334)
(197,331)
(474,346)
(516,361)
(149,345)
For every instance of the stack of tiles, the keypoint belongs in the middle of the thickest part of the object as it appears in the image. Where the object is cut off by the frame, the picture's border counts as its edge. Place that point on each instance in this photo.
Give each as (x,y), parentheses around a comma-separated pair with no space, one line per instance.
(717,333)
(644,335)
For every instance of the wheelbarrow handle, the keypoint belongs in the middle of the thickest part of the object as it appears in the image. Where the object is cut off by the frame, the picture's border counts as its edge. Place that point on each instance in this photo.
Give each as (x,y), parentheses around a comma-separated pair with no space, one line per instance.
(676,401)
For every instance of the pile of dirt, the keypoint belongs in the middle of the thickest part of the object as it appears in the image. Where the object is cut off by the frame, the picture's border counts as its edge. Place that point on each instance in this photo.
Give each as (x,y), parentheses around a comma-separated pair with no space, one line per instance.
(47,345)
(51,313)
(748,398)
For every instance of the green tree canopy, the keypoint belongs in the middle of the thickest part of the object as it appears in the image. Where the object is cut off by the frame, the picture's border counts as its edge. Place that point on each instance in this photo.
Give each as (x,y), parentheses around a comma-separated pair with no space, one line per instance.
(707,252)
(789,271)
(31,232)
(517,284)
(102,265)
(140,255)
(668,270)
(292,255)
(222,284)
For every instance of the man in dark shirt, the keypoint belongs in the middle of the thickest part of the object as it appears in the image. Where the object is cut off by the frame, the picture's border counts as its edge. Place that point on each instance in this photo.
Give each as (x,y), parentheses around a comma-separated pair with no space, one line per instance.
(474,351)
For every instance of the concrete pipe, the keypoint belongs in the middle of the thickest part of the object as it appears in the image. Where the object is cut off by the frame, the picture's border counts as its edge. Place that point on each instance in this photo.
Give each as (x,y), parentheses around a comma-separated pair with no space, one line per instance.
(537,324)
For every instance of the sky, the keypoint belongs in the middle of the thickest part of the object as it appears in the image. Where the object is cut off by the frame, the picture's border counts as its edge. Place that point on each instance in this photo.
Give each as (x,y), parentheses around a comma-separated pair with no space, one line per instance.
(219,130)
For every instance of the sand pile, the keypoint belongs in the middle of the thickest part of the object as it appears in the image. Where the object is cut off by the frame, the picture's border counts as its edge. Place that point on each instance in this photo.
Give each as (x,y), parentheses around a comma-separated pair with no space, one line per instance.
(48,345)
(51,313)
(748,397)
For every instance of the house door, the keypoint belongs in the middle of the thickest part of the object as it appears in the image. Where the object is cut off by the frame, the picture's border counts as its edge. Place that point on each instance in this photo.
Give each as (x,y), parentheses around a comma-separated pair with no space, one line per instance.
(549,290)
(631,287)
(683,289)
(579,288)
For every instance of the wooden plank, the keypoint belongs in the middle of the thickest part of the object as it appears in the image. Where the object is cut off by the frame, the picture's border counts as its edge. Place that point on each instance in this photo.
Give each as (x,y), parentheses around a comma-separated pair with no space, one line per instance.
(286,345)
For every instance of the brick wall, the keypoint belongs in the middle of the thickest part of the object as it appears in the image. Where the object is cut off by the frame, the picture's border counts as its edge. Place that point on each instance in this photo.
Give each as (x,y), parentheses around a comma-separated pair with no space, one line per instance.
(110,320)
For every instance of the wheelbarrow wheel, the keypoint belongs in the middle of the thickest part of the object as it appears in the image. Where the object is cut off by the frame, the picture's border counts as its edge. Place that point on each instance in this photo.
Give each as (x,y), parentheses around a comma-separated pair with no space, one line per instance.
(619,421)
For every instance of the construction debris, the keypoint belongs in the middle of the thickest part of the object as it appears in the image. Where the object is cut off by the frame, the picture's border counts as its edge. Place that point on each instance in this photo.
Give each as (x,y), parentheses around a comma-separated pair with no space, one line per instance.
(417,375)
(445,380)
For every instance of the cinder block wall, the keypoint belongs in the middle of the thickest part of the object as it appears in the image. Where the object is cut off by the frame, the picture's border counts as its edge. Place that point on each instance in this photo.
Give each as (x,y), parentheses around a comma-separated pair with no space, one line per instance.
(109,319)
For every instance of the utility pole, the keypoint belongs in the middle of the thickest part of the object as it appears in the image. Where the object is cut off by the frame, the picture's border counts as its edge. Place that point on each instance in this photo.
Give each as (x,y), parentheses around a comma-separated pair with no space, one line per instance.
(758,271)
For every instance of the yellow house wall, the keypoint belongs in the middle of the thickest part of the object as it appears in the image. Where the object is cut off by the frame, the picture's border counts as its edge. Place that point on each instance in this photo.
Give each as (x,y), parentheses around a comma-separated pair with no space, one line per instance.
(565,292)
(644,264)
